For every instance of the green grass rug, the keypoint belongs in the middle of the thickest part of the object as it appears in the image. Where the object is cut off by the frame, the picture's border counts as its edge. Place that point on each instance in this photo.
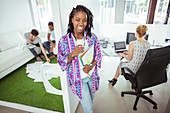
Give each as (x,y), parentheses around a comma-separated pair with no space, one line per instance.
(18,88)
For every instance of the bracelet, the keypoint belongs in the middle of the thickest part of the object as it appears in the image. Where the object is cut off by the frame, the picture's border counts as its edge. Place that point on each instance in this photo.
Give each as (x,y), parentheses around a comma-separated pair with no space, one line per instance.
(70,57)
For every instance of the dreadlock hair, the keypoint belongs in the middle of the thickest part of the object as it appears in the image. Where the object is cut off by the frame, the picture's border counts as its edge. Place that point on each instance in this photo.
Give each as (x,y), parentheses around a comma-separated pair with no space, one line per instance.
(78,8)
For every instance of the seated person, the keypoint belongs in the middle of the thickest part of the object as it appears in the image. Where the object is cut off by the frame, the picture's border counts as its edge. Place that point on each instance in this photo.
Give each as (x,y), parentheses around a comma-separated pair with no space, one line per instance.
(51,43)
(34,41)
(135,54)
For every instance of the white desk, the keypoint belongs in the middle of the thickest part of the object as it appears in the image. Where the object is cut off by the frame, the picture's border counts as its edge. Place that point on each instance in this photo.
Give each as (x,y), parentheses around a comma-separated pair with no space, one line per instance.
(109,51)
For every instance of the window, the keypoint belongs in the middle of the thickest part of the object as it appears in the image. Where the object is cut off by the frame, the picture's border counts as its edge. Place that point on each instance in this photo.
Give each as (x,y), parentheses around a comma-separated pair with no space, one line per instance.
(44,13)
(107,9)
(160,12)
(136,11)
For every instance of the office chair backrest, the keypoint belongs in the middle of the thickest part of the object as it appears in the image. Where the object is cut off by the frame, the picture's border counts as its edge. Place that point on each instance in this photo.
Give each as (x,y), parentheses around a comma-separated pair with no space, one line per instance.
(153,69)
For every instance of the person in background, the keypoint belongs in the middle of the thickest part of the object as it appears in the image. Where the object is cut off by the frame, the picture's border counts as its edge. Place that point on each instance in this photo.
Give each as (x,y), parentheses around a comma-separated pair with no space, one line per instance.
(50,44)
(33,41)
(135,54)
(69,51)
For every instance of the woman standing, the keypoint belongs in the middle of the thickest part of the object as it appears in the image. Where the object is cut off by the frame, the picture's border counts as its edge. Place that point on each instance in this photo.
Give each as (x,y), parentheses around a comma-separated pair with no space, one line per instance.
(78,39)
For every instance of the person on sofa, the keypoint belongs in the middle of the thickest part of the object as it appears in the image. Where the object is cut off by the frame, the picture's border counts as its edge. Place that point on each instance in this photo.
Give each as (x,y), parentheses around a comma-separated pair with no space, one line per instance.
(50,42)
(34,41)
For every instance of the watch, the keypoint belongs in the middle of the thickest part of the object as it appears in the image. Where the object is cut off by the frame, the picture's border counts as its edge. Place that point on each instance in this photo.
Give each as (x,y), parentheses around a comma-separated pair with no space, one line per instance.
(91,64)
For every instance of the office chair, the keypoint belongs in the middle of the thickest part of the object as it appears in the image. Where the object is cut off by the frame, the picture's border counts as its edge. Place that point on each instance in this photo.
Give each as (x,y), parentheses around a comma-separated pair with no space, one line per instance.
(151,72)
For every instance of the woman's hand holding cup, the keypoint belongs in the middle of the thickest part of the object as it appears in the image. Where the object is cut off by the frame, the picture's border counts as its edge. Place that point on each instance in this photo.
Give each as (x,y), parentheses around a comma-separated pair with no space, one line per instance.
(77,50)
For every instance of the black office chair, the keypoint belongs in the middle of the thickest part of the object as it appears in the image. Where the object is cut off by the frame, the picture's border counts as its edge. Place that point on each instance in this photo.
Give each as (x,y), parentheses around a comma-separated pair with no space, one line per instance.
(151,72)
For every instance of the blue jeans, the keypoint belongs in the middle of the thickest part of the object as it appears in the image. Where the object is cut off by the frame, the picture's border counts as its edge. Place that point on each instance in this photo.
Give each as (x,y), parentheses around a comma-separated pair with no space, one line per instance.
(47,46)
(87,95)
(34,52)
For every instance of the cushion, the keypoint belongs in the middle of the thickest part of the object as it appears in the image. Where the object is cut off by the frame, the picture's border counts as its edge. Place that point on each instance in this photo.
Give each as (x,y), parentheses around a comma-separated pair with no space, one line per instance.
(12,56)
(23,31)
(10,40)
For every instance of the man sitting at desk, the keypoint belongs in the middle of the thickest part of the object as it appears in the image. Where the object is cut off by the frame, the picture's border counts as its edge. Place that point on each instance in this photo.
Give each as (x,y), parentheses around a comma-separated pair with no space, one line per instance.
(135,55)
(34,41)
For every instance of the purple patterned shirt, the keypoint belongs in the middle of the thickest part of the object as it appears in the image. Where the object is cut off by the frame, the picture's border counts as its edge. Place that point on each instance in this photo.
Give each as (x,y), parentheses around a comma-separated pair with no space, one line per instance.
(67,45)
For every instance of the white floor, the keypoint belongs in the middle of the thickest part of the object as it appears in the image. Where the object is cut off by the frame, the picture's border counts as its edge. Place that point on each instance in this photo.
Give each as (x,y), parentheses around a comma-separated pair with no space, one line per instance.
(108,99)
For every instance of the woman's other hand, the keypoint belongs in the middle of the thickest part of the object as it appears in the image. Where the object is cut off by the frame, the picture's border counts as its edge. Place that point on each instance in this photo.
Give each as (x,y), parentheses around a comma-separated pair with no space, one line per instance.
(87,68)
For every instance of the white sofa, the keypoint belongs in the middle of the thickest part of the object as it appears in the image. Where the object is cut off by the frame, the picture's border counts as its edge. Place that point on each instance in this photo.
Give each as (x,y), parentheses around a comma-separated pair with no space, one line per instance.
(12,51)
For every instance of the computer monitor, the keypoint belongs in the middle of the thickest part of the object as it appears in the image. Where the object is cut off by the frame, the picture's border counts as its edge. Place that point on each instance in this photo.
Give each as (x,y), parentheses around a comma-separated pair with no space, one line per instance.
(131,37)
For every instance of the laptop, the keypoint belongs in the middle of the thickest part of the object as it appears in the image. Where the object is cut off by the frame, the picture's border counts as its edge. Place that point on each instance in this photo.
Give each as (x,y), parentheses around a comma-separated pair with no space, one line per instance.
(120,47)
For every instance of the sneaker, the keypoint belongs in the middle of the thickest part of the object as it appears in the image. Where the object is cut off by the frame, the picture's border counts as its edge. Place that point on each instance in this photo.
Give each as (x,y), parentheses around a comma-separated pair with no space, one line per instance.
(51,57)
(43,57)
(39,59)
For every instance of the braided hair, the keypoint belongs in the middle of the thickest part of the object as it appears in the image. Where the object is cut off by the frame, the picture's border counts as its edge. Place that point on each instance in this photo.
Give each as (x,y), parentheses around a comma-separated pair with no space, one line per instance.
(78,8)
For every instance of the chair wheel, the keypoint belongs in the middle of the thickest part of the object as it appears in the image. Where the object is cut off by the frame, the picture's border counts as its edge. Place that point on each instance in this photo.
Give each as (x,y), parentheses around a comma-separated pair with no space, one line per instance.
(122,95)
(134,108)
(151,93)
(155,107)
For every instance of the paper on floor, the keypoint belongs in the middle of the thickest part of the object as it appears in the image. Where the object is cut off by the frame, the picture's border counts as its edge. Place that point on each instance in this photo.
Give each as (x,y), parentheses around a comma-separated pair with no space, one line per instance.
(34,71)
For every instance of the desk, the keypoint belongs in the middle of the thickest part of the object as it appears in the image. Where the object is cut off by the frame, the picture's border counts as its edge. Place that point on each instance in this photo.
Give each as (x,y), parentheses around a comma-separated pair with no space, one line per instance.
(156,46)
(109,50)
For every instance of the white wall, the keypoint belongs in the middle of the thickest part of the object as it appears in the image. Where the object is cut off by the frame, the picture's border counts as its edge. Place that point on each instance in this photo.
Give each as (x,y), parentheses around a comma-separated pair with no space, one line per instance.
(118,32)
(66,7)
(15,14)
